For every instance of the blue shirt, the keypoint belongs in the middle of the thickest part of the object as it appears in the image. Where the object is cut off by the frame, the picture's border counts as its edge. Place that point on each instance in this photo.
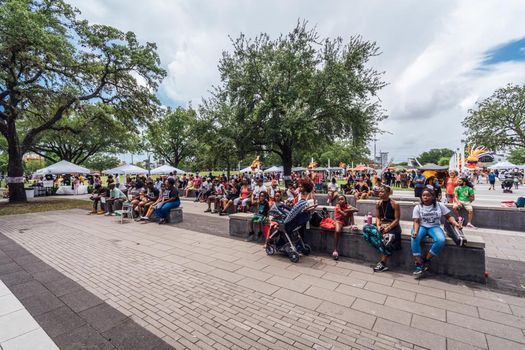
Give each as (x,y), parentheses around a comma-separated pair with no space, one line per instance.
(492,177)
(419,177)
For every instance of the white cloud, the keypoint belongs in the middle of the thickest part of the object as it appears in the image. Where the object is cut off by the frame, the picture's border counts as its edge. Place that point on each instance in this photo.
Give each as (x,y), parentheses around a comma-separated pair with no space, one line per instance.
(431,50)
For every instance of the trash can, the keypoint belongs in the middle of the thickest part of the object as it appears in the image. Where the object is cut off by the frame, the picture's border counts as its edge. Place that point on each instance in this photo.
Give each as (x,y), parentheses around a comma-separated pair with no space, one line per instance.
(30,193)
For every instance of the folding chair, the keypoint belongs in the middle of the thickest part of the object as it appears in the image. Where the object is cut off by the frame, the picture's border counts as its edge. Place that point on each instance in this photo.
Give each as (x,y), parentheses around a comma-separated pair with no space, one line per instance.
(127,210)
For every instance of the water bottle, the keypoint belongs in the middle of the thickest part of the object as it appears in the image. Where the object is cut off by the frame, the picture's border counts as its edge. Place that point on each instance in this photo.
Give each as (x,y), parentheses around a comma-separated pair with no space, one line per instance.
(369,218)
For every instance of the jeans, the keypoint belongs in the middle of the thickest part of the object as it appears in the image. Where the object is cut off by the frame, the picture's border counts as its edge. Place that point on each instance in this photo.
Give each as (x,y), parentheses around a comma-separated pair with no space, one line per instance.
(164,211)
(437,235)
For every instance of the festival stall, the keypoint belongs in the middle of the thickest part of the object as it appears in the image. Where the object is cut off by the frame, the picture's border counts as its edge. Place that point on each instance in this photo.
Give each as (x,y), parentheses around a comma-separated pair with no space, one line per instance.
(503,166)
(125,170)
(64,167)
(166,169)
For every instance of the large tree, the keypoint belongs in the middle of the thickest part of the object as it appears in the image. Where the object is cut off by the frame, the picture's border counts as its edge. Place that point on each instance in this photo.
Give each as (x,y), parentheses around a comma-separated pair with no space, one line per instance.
(498,122)
(91,132)
(434,155)
(172,137)
(299,91)
(52,63)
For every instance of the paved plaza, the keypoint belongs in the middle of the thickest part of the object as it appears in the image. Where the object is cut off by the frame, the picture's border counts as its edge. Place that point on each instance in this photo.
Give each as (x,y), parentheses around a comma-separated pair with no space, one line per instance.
(198,290)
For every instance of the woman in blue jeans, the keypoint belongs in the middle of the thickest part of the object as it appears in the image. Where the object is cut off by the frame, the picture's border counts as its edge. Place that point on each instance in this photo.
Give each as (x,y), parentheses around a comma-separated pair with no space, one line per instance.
(427,221)
(171,200)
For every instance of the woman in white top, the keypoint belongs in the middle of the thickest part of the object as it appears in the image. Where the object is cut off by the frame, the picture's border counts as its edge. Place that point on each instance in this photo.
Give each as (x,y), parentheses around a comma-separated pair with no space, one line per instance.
(427,221)
(332,191)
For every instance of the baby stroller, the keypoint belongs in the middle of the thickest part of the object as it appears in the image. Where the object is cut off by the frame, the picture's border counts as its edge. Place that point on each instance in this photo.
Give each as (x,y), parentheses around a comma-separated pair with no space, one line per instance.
(287,227)
(507,184)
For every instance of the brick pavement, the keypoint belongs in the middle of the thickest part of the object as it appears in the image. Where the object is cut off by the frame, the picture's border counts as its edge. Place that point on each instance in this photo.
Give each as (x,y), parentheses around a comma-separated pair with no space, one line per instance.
(196,290)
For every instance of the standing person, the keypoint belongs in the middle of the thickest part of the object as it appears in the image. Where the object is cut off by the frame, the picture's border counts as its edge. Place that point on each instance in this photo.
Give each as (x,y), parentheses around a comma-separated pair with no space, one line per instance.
(171,200)
(344,216)
(427,220)
(385,236)
(419,184)
(452,183)
(492,180)
(464,196)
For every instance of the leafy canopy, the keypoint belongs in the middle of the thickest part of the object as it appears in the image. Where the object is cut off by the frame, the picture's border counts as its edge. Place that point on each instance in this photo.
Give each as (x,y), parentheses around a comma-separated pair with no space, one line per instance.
(298,91)
(435,155)
(498,122)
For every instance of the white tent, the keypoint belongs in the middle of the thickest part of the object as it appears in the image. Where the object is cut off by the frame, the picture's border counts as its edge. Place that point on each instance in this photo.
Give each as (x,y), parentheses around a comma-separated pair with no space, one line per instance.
(503,165)
(166,169)
(522,167)
(248,169)
(63,167)
(126,169)
(274,169)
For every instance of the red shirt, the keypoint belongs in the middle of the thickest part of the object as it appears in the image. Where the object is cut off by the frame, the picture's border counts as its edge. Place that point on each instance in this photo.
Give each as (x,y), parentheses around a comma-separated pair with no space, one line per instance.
(451,185)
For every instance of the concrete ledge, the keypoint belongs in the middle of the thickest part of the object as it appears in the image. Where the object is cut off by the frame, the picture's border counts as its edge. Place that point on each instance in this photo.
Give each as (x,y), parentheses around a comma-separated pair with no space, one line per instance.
(176,216)
(485,217)
(467,263)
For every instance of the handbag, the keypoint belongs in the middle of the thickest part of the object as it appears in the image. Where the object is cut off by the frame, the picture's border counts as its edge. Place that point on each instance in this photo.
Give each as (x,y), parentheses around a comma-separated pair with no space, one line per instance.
(327,224)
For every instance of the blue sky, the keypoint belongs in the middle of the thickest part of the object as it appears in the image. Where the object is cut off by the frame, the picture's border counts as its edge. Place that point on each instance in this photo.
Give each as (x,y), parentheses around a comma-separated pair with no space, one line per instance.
(513,51)
(439,57)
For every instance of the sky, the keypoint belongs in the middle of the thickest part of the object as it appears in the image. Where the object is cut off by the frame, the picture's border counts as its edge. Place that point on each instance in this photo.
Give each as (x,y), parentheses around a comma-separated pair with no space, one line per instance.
(439,57)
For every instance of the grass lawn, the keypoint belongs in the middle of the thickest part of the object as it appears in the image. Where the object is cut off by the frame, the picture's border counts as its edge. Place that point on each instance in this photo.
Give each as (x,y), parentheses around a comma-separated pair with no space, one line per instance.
(43,205)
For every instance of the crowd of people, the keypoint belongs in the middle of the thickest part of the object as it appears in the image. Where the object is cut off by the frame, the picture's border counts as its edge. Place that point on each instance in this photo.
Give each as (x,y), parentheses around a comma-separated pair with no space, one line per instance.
(261,195)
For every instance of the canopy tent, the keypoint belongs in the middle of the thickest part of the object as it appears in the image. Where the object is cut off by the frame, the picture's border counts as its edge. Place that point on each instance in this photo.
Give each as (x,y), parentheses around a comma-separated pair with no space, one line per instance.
(274,169)
(361,167)
(126,169)
(522,167)
(320,168)
(503,165)
(166,169)
(432,166)
(249,169)
(63,167)
(299,168)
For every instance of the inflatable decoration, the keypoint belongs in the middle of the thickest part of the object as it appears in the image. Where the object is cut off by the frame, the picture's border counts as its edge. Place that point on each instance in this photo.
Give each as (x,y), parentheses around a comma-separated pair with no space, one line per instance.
(342,165)
(256,164)
(474,154)
(312,164)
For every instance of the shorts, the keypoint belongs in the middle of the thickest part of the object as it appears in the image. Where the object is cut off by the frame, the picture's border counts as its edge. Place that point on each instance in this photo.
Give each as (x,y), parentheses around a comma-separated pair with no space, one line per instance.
(467,206)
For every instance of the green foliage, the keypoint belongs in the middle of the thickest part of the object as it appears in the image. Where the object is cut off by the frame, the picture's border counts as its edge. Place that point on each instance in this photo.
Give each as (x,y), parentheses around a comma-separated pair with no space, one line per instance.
(443,161)
(434,155)
(101,162)
(54,65)
(298,92)
(517,156)
(93,130)
(172,136)
(498,122)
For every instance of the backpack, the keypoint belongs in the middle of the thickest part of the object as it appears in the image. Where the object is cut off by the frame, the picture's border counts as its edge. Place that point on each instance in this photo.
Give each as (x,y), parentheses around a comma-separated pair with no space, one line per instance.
(520,202)
(318,216)
(327,224)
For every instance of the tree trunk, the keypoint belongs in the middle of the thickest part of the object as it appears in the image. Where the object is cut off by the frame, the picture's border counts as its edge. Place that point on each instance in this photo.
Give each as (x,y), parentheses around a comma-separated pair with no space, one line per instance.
(15,174)
(286,158)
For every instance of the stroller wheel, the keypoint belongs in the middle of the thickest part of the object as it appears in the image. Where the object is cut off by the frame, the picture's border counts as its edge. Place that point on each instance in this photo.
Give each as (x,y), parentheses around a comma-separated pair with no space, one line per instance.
(270,250)
(307,249)
(294,257)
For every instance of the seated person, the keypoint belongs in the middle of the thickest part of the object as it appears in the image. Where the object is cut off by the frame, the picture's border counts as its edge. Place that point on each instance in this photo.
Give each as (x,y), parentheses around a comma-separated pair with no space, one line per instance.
(215,197)
(332,191)
(189,187)
(97,193)
(464,196)
(204,190)
(277,198)
(291,194)
(344,216)
(385,236)
(257,189)
(427,222)
(153,205)
(361,189)
(171,200)
(231,193)
(244,196)
(115,199)
(261,216)
(273,189)
(150,197)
